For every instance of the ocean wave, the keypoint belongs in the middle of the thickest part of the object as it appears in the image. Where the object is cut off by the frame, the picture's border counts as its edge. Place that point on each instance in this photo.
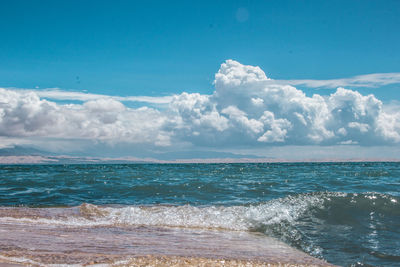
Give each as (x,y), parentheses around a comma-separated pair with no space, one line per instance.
(252,217)
(243,217)
(310,221)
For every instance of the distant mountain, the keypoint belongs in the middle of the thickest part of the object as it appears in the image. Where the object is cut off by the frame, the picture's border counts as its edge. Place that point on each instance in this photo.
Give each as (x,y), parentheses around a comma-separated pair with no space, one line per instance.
(24,151)
(29,155)
(199,155)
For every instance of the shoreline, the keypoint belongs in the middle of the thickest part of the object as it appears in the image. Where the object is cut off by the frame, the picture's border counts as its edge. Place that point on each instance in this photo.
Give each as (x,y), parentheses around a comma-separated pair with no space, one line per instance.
(162,260)
(34,242)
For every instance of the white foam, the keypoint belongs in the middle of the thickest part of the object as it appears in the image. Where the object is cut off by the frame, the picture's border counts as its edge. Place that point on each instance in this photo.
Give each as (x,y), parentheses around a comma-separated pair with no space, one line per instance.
(225,217)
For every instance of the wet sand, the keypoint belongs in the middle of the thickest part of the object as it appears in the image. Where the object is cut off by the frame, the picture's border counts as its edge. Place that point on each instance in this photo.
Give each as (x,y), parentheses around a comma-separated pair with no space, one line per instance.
(27,240)
(175,261)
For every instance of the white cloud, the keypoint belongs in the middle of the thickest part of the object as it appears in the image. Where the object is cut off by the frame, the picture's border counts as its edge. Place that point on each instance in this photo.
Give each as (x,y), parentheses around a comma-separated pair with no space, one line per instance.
(348,142)
(246,109)
(24,114)
(57,94)
(368,80)
(252,110)
(362,127)
(278,128)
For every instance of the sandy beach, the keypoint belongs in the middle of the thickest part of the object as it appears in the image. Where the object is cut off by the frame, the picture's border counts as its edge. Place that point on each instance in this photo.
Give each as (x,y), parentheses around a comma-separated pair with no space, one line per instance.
(150,260)
(175,261)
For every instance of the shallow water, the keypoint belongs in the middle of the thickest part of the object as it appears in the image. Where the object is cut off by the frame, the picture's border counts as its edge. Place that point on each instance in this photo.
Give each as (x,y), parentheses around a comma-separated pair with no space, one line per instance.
(345,213)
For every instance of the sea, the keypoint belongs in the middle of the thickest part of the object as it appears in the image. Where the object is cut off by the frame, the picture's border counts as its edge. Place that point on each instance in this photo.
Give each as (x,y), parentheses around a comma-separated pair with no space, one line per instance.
(347,214)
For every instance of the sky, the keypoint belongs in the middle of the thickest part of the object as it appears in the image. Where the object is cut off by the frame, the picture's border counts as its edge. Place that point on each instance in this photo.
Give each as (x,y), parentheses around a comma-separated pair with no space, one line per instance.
(282,79)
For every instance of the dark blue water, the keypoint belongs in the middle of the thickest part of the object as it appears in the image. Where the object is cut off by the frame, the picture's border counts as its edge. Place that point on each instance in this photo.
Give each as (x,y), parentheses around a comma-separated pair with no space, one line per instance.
(345,213)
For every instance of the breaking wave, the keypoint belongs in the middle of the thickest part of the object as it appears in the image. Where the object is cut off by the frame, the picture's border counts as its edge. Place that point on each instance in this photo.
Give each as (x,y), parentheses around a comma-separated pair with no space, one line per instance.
(306,221)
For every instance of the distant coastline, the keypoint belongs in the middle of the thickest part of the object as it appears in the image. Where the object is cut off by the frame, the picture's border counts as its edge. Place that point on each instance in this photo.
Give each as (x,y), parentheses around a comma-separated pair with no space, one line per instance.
(63,159)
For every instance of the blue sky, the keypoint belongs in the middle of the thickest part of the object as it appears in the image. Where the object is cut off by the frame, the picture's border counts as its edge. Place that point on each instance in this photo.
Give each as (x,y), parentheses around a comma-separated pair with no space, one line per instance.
(165,48)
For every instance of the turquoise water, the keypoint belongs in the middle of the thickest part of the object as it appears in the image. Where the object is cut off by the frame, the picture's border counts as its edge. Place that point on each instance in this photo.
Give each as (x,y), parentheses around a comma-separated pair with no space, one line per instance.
(345,213)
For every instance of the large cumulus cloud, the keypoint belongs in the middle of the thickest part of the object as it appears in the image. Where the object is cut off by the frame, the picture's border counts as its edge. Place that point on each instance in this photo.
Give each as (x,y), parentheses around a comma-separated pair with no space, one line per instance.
(246,109)
(249,108)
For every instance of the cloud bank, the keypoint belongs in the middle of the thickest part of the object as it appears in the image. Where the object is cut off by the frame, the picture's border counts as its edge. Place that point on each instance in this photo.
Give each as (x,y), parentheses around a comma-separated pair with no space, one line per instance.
(57,94)
(247,109)
(368,80)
